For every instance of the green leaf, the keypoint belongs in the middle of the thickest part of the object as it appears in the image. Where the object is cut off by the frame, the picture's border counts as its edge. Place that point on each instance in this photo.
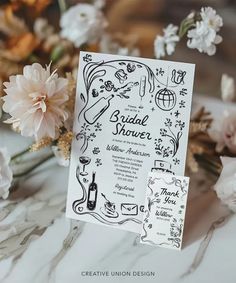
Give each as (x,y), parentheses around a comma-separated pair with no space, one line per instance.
(56,53)
(185,25)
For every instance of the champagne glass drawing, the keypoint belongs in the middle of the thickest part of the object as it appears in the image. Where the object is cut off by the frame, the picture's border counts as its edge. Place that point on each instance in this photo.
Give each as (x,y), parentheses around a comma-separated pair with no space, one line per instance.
(85,161)
(142,87)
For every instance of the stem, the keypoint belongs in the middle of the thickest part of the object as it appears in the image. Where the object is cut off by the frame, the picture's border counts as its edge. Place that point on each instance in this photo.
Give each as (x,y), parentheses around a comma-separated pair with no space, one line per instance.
(62,6)
(34,166)
(20,153)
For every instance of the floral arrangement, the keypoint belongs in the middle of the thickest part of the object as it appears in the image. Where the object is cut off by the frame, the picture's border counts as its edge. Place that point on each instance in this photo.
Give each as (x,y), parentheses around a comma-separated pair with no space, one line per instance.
(38,101)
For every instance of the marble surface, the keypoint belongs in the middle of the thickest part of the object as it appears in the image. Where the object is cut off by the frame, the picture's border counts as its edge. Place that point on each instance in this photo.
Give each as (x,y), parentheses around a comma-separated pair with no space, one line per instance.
(39,245)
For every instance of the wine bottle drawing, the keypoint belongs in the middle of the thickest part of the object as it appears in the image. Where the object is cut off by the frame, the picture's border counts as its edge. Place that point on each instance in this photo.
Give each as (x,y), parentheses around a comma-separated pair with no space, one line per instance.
(97,109)
(142,90)
(92,194)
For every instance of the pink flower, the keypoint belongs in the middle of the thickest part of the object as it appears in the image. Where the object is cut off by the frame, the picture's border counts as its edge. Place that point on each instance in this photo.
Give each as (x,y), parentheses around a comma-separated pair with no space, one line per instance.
(35,101)
(225,135)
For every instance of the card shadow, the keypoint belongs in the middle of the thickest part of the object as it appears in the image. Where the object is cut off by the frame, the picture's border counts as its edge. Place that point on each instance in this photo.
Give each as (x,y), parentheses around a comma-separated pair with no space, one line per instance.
(201,212)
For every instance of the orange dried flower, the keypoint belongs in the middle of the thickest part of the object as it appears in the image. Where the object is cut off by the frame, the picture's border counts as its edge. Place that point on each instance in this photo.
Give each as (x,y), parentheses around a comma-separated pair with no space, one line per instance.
(20,47)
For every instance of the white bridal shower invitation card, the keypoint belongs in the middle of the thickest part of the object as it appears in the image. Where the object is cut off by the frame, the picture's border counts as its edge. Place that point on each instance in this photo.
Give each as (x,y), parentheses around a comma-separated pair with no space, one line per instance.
(131,117)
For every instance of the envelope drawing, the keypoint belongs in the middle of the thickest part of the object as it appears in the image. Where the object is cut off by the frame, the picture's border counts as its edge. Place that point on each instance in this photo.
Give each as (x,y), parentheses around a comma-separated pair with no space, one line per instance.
(129,209)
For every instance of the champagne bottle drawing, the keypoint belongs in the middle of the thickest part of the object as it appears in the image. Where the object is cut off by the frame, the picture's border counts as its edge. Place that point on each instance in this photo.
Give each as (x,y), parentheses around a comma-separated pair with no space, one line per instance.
(92,194)
(142,89)
(97,109)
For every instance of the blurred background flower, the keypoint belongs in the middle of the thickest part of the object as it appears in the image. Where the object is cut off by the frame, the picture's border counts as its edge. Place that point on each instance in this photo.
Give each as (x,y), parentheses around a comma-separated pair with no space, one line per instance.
(82,23)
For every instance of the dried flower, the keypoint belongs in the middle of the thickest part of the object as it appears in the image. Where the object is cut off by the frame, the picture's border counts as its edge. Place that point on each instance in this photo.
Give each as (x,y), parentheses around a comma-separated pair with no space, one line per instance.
(193,148)
(20,47)
(35,100)
(42,29)
(82,23)
(6,175)
(227,88)
(64,144)
(166,43)
(225,186)
(204,36)
(10,24)
(44,142)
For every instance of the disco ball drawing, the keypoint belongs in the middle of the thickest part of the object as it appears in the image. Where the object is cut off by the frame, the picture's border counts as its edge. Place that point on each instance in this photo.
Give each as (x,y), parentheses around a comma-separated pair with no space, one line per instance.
(165,99)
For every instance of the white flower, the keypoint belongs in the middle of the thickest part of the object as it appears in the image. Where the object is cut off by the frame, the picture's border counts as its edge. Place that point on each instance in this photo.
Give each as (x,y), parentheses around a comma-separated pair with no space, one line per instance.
(82,23)
(227,88)
(204,36)
(36,100)
(42,29)
(166,43)
(60,157)
(6,175)
(210,17)
(224,133)
(226,185)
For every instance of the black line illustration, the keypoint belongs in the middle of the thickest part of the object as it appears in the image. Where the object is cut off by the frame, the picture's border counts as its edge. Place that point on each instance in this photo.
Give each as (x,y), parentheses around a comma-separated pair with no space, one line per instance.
(98,162)
(77,203)
(183,92)
(92,194)
(162,166)
(177,113)
(109,208)
(95,93)
(121,76)
(142,88)
(84,160)
(176,226)
(178,76)
(96,150)
(95,70)
(108,85)
(98,126)
(165,99)
(174,138)
(176,161)
(92,114)
(155,199)
(121,91)
(86,136)
(78,208)
(129,209)
(131,67)
(182,104)
(160,71)
(87,58)
(141,208)
(176,230)
(162,150)
(180,124)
